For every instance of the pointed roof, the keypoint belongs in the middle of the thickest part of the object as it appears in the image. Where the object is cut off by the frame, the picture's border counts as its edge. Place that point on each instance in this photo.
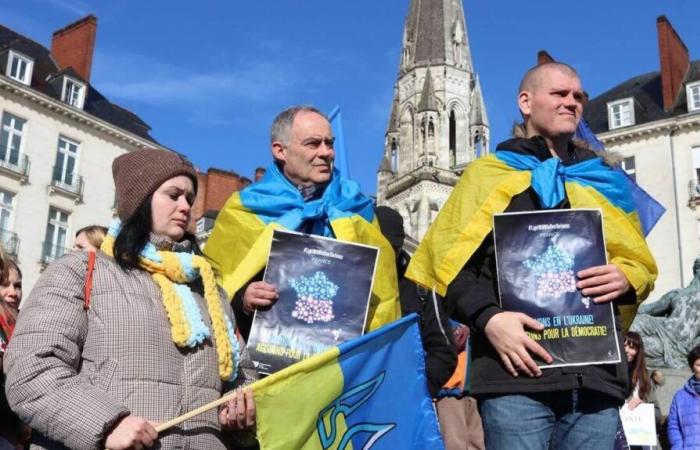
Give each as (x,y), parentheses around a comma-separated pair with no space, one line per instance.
(478,107)
(431,27)
(394,117)
(385,165)
(427,97)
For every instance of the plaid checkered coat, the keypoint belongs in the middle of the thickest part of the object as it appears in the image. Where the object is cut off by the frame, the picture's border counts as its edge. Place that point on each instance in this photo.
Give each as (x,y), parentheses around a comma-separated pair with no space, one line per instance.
(72,373)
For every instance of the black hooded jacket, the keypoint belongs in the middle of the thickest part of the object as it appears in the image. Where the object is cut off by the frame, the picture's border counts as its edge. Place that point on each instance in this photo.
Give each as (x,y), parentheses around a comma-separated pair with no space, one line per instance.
(473,298)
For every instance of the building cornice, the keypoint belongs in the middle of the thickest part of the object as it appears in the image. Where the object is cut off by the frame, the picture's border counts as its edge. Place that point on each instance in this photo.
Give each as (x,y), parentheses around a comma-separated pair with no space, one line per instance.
(74,114)
(423,173)
(651,129)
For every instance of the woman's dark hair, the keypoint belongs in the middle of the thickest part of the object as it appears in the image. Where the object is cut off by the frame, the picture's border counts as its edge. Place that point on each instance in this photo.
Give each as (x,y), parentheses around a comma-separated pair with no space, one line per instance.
(135,234)
(693,356)
(638,366)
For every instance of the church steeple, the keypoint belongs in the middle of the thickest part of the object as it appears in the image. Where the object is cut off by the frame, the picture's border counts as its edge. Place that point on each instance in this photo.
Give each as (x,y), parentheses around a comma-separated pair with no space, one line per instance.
(437,115)
(435,33)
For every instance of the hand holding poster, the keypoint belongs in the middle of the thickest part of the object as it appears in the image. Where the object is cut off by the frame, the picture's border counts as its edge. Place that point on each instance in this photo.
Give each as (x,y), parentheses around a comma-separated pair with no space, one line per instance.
(639,424)
(324,287)
(538,255)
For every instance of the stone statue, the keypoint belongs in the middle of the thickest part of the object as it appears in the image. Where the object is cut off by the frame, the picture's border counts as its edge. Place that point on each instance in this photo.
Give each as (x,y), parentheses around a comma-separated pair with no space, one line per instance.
(670,326)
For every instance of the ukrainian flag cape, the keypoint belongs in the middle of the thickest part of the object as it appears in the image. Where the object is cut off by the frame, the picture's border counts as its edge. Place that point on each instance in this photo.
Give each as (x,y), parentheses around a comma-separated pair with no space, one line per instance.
(240,241)
(487,187)
(367,393)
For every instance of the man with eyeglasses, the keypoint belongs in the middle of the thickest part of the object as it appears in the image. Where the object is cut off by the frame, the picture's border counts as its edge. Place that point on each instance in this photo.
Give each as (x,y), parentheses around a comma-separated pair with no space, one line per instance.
(300,191)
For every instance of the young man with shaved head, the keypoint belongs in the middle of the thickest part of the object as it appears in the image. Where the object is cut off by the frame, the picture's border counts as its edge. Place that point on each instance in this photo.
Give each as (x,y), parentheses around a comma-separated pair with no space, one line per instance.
(523,406)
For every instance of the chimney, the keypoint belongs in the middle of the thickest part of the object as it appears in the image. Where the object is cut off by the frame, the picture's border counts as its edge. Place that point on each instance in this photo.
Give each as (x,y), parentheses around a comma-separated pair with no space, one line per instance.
(674,58)
(73,46)
(543,57)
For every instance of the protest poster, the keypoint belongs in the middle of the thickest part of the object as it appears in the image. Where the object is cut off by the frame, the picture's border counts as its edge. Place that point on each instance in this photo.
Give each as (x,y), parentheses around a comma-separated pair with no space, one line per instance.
(538,255)
(324,289)
(639,424)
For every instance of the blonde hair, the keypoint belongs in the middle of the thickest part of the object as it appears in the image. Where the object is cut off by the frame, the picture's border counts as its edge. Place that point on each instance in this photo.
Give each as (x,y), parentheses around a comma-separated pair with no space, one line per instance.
(95,234)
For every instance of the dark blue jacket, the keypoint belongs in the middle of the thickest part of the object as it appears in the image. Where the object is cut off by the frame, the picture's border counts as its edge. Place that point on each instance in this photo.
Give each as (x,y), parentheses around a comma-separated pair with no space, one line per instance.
(684,419)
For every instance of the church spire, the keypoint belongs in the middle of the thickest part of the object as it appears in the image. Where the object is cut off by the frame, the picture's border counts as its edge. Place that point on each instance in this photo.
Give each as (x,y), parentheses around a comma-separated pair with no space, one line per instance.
(435,33)
(427,97)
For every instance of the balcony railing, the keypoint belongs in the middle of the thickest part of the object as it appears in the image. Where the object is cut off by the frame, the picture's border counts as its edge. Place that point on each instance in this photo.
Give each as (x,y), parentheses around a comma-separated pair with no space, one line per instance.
(50,251)
(10,242)
(70,183)
(17,166)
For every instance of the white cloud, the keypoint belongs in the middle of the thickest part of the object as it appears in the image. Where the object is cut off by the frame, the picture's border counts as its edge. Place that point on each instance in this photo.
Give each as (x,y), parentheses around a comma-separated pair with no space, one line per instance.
(136,78)
(75,6)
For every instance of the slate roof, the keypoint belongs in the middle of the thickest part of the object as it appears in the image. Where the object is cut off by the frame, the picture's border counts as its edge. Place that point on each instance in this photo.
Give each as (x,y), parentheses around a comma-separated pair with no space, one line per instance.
(648,97)
(45,70)
(427,28)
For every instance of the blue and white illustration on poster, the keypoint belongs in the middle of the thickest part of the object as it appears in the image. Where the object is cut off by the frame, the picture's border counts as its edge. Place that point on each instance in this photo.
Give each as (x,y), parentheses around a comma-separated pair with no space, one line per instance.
(538,255)
(324,289)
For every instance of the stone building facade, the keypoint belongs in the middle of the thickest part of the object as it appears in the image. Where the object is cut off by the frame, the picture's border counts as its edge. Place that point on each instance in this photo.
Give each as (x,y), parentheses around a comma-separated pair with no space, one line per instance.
(438,121)
(653,121)
(58,138)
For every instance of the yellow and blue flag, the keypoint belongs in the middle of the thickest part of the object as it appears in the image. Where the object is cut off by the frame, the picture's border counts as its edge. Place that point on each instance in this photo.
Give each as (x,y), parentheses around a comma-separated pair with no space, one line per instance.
(240,241)
(487,187)
(341,155)
(649,210)
(367,393)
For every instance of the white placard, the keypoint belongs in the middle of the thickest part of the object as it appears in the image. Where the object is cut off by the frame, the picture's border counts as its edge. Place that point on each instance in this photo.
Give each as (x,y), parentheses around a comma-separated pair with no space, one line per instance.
(639,424)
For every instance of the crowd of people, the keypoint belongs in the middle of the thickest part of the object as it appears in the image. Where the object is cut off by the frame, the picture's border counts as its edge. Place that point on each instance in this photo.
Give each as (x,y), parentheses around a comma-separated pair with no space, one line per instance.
(137,325)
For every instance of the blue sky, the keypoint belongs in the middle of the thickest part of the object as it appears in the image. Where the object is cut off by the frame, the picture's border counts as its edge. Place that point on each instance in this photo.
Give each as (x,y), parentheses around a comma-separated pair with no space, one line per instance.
(210,76)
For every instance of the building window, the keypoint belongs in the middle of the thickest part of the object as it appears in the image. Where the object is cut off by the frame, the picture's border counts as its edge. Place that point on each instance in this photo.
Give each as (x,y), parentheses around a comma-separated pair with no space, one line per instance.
(11,135)
(620,113)
(56,241)
(73,92)
(19,68)
(394,156)
(693,93)
(629,166)
(66,162)
(696,163)
(8,238)
(6,200)
(453,138)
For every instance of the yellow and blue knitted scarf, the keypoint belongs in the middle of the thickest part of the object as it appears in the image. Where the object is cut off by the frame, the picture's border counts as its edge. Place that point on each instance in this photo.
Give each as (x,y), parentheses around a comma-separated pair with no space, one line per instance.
(171,271)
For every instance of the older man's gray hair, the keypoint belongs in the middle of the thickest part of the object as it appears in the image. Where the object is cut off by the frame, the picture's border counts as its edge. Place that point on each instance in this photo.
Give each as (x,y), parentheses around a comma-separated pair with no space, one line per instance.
(282,124)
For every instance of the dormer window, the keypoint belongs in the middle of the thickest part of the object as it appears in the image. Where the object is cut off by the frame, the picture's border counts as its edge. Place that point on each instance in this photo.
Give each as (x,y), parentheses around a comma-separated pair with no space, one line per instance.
(693,92)
(73,92)
(19,67)
(620,113)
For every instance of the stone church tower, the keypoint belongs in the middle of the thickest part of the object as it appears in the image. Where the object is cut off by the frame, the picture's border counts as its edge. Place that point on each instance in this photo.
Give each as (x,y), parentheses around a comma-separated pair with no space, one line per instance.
(438,121)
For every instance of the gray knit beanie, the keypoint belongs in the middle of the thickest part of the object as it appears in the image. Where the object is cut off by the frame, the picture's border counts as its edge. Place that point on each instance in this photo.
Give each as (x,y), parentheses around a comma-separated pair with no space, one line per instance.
(138,174)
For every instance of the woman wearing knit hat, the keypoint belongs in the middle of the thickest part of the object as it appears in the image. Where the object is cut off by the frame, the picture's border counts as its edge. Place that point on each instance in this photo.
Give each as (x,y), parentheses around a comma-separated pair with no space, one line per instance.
(109,345)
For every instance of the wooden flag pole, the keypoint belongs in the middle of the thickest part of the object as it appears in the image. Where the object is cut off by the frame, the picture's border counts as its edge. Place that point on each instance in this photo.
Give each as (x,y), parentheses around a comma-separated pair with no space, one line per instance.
(195,412)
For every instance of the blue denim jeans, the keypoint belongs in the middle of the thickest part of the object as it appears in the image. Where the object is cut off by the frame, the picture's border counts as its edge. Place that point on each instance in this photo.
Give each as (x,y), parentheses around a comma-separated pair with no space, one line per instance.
(562,420)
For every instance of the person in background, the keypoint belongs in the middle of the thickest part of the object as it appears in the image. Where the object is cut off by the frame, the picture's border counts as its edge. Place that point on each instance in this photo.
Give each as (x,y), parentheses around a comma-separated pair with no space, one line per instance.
(153,339)
(684,415)
(11,286)
(259,173)
(89,238)
(641,385)
(440,357)
(13,433)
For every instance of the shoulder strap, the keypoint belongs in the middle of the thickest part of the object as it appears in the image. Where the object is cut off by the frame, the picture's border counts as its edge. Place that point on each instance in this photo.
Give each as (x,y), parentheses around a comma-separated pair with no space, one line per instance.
(88,279)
